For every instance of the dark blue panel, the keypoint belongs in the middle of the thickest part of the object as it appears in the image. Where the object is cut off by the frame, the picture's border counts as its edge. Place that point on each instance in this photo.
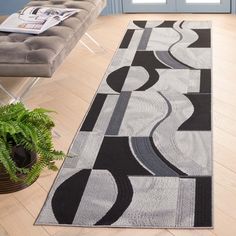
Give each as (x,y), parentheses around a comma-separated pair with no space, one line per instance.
(10,6)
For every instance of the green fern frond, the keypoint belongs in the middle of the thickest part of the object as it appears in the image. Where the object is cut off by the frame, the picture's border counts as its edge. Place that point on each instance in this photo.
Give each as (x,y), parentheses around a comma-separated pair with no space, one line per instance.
(32,130)
(6,160)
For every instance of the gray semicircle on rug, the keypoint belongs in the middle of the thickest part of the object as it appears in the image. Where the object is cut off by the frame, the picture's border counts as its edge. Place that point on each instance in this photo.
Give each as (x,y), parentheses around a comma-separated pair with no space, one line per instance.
(139,79)
(67,197)
(91,211)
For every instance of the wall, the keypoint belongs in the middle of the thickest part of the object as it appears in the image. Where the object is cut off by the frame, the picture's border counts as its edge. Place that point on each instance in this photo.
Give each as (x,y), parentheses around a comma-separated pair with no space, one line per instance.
(9,6)
(113,7)
(233,6)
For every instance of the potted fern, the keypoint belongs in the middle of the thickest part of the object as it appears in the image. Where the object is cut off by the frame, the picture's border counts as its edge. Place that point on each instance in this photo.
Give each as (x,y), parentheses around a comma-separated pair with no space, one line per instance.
(26,146)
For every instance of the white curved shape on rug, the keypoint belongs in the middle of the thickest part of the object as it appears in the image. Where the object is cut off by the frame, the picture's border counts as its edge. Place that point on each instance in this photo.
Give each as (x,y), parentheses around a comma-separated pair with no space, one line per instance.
(161,39)
(170,142)
(197,58)
(144,110)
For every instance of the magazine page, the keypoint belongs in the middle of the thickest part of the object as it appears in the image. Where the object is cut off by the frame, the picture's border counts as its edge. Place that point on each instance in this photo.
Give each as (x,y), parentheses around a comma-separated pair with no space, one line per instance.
(35,20)
(44,13)
(15,24)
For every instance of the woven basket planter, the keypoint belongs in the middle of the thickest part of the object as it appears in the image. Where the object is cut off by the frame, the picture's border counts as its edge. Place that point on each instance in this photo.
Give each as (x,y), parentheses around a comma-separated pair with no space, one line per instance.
(23,158)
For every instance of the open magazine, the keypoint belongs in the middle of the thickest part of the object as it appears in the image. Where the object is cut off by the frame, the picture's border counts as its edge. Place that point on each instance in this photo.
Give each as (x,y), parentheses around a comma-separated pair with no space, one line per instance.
(35,20)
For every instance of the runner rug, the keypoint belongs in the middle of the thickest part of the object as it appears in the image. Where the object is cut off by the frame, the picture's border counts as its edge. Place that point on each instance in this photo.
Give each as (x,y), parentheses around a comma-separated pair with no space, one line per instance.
(143,155)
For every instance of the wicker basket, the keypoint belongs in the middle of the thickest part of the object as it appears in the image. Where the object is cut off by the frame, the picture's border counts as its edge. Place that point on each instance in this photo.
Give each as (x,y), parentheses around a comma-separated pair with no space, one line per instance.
(22,158)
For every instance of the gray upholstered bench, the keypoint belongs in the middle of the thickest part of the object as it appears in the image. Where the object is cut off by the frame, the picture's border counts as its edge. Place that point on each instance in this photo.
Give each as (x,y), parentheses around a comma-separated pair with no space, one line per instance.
(25,55)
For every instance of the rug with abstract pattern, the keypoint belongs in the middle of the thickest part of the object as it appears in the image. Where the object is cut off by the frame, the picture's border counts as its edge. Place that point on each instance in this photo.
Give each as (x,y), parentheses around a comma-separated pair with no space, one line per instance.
(143,155)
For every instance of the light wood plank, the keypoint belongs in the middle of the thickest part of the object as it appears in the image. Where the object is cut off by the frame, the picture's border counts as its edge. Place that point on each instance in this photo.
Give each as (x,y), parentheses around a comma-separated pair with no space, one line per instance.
(16,220)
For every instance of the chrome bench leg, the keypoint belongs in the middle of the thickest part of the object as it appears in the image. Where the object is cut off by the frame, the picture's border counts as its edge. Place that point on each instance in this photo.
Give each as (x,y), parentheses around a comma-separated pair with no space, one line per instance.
(27,89)
(7,92)
(86,46)
(29,85)
(94,41)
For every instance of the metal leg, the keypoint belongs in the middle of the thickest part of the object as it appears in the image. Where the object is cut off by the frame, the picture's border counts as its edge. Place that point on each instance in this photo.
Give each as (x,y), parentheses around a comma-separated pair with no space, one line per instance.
(94,41)
(27,89)
(7,92)
(23,93)
(86,46)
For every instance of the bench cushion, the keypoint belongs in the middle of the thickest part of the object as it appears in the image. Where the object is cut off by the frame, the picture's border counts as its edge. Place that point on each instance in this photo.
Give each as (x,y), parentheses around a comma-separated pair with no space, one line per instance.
(26,55)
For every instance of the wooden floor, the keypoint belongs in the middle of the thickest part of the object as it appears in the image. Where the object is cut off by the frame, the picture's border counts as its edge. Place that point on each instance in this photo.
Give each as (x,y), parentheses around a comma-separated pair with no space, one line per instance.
(70,91)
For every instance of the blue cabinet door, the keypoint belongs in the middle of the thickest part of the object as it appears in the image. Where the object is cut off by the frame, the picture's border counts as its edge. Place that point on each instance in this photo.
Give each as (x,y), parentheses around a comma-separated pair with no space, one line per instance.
(8,7)
(149,6)
(223,6)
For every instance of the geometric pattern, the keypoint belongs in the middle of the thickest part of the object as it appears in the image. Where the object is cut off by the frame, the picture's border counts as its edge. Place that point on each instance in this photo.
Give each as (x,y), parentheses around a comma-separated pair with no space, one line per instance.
(143,155)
